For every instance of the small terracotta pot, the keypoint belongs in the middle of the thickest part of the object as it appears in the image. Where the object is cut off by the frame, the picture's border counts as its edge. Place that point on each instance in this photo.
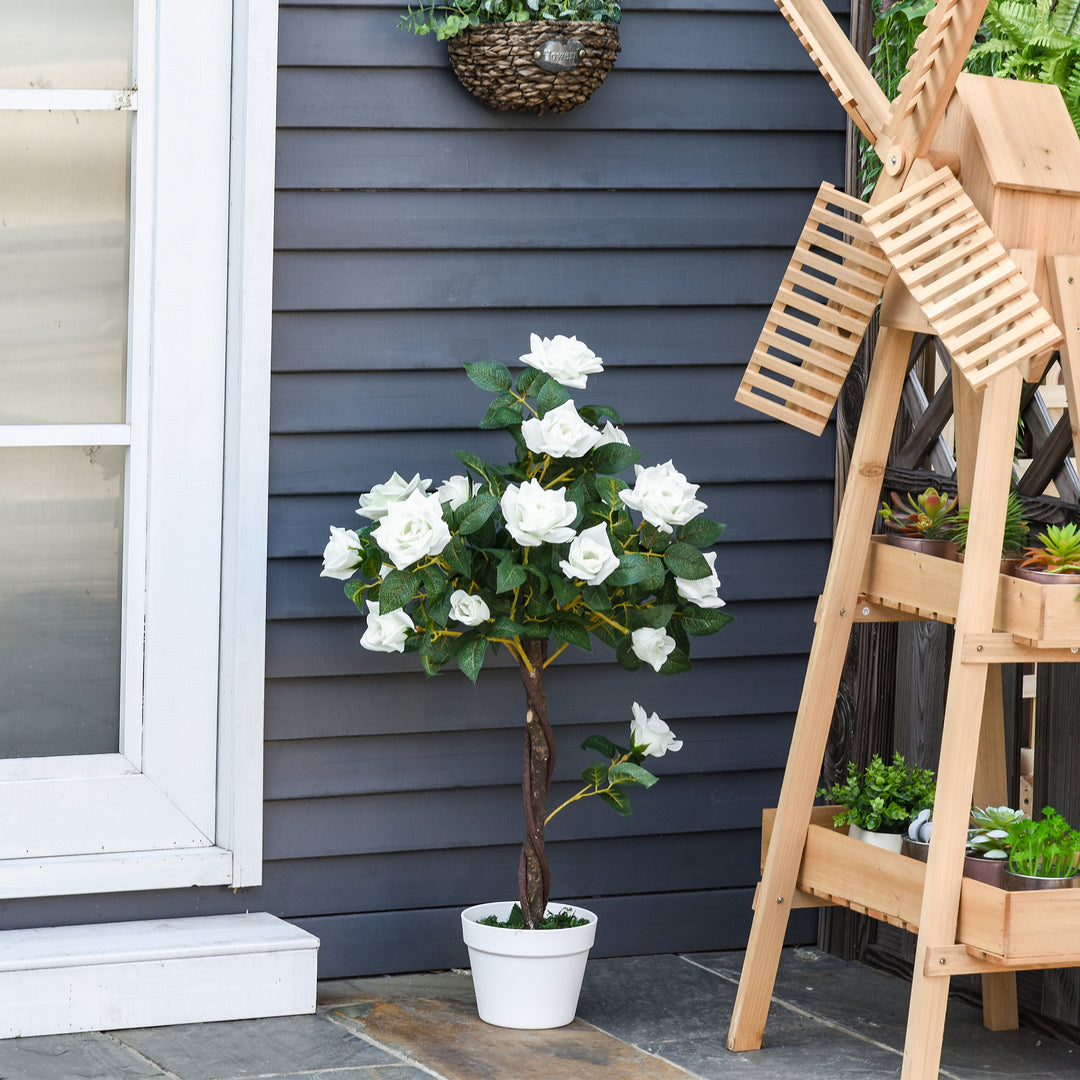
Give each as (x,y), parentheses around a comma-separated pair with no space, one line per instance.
(1045,577)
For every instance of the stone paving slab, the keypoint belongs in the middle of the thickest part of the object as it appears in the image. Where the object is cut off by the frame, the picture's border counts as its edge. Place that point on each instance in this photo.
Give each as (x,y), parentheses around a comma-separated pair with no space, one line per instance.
(85,1056)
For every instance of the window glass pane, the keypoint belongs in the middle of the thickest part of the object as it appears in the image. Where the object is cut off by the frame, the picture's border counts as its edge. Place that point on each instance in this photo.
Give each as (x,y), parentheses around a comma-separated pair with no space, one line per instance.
(60,562)
(63,266)
(65,44)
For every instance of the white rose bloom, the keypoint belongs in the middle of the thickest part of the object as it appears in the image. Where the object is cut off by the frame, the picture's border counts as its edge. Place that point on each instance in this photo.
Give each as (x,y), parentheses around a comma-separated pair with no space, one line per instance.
(567,360)
(652,646)
(456,491)
(470,610)
(609,433)
(386,633)
(560,433)
(663,497)
(412,530)
(702,591)
(651,735)
(535,515)
(590,559)
(375,503)
(341,557)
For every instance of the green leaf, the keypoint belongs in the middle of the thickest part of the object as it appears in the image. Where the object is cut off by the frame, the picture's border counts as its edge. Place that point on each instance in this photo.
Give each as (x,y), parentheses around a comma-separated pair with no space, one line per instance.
(655,615)
(608,488)
(653,538)
(456,556)
(627,772)
(702,532)
(702,621)
(470,657)
(592,413)
(434,581)
(531,381)
(551,397)
(471,461)
(625,655)
(397,589)
(506,627)
(571,629)
(509,576)
(565,592)
(355,590)
(490,375)
(686,562)
(499,416)
(618,800)
(594,775)
(632,569)
(614,457)
(601,746)
(596,598)
(676,662)
(476,512)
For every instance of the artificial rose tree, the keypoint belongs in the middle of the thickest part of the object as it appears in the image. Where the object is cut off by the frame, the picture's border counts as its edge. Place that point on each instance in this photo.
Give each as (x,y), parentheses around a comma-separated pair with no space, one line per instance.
(537,556)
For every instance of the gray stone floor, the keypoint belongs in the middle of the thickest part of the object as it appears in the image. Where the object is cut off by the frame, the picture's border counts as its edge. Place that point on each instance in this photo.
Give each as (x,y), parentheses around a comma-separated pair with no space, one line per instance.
(639,1018)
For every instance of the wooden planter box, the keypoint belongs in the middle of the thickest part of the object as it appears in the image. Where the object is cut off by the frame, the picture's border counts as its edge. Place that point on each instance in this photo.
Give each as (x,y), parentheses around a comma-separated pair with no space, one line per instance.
(901,584)
(1008,930)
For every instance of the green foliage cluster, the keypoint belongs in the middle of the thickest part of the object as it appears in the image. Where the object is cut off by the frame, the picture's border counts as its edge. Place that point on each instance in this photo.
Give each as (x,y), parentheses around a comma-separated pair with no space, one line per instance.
(882,798)
(1048,848)
(529,596)
(1016,527)
(1034,40)
(555,920)
(1060,551)
(448,20)
(930,515)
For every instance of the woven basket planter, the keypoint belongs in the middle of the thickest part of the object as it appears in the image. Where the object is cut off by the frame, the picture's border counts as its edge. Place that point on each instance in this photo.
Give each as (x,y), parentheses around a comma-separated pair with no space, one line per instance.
(537,66)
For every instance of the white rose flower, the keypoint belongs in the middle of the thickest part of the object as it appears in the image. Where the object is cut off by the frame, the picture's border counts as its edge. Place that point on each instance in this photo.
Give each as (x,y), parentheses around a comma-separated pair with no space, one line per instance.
(567,360)
(457,491)
(386,633)
(663,497)
(590,559)
(412,530)
(470,610)
(702,591)
(609,433)
(341,557)
(651,735)
(535,515)
(652,646)
(560,433)
(374,503)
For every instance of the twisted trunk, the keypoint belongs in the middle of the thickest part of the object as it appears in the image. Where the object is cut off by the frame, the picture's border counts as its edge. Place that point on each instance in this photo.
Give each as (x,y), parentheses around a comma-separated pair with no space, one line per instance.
(534,877)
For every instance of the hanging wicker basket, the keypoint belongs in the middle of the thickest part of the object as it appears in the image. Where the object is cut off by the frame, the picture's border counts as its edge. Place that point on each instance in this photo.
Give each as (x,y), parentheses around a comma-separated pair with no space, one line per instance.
(537,66)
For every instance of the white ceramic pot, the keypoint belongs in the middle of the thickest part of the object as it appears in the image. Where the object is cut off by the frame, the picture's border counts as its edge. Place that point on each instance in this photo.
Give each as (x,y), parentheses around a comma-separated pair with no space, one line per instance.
(526,978)
(886,840)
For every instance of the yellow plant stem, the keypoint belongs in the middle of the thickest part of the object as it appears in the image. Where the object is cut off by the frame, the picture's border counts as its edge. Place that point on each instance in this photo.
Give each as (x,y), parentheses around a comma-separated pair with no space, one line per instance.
(585,792)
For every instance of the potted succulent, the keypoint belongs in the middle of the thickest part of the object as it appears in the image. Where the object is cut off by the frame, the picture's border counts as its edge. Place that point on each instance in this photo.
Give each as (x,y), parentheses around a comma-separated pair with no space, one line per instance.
(537,55)
(1043,854)
(988,842)
(1013,541)
(546,553)
(924,523)
(881,800)
(1057,560)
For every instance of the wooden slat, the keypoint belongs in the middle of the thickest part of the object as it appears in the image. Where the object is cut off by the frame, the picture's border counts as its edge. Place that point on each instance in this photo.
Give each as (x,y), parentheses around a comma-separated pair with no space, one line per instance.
(1015,328)
(829,317)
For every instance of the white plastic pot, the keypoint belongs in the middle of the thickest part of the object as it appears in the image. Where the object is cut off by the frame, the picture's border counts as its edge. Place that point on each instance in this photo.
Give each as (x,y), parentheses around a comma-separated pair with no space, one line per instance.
(526,978)
(888,841)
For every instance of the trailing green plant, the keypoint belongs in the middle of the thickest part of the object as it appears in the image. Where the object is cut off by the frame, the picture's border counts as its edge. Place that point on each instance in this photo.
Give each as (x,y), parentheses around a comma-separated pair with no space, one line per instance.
(447,20)
(1048,848)
(1060,551)
(930,516)
(1016,528)
(882,798)
(989,835)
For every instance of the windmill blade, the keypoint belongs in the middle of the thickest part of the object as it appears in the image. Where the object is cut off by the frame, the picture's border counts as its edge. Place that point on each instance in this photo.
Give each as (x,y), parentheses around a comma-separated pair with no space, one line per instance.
(972,293)
(925,90)
(837,59)
(815,325)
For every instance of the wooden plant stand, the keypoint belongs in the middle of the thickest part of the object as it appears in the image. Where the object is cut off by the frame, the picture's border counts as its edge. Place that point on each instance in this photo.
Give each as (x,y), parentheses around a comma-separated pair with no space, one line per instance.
(980,262)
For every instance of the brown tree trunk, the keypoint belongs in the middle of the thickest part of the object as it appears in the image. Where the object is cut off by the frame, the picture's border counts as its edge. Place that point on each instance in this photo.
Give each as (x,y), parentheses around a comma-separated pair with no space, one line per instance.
(534,877)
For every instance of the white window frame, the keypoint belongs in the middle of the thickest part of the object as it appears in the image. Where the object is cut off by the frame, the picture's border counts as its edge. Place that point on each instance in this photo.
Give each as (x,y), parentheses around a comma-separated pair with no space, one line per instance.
(181,804)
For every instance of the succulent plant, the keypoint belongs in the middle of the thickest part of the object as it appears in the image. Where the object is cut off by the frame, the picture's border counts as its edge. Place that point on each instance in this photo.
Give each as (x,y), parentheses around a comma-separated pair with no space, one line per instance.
(988,835)
(1060,551)
(921,826)
(1016,528)
(930,515)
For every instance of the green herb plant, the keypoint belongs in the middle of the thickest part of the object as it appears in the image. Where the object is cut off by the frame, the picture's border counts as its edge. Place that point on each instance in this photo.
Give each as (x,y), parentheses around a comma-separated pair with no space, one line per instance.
(447,20)
(1048,848)
(882,798)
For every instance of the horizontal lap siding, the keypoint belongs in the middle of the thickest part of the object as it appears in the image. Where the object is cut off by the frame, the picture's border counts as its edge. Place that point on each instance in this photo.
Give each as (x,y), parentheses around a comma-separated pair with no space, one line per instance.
(417,229)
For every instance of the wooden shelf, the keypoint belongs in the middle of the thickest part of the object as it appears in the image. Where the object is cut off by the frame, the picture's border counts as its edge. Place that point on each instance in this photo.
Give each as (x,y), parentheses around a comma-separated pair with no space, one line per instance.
(997,930)
(898,584)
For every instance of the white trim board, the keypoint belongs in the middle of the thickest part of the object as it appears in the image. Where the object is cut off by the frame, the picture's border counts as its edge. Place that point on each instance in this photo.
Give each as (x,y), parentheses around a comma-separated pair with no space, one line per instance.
(148,974)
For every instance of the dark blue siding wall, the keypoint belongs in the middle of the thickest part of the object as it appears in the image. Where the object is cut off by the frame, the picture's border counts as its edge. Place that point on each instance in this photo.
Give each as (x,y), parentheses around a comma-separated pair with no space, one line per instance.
(417,229)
